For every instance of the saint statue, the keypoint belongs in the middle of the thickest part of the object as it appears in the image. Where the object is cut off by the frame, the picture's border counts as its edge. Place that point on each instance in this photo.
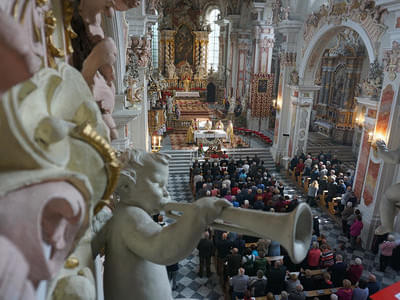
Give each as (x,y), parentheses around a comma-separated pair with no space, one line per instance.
(230,133)
(186,84)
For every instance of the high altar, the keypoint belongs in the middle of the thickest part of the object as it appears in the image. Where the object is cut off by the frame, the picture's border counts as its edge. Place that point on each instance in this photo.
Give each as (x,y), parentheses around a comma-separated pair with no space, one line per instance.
(183,48)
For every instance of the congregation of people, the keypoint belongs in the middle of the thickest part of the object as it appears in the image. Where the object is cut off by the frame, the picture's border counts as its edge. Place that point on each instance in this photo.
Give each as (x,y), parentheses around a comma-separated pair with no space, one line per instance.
(254,267)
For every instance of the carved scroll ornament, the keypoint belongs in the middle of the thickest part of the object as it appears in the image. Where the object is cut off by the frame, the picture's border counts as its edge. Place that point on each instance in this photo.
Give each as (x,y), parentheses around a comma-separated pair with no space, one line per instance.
(362,12)
(391,61)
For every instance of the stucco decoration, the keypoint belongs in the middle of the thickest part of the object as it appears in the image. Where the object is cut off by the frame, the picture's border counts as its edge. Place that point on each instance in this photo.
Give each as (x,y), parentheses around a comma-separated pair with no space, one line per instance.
(141,48)
(368,16)
(39,117)
(288,59)
(14,269)
(371,86)
(18,60)
(98,72)
(91,11)
(391,61)
(49,214)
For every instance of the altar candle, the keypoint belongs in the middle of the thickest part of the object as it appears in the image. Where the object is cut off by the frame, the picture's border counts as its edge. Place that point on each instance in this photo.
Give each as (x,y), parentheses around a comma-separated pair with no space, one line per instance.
(159,141)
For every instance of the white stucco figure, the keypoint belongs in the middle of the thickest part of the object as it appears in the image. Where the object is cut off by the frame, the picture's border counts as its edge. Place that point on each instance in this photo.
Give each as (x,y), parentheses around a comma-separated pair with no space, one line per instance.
(390,204)
(137,248)
(170,102)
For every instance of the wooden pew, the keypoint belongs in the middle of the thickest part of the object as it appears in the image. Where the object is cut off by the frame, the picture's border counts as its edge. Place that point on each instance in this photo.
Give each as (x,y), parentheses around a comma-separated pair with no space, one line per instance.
(306,184)
(322,197)
(333,204)
(318,293)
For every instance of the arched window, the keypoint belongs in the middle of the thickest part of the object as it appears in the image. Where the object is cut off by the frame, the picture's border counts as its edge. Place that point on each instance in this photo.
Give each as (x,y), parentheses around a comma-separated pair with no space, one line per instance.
(213,40)
(154,45)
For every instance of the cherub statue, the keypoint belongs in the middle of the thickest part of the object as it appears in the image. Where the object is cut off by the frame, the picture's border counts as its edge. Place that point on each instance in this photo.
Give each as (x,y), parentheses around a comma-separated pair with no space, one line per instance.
(137,248)
(390,204)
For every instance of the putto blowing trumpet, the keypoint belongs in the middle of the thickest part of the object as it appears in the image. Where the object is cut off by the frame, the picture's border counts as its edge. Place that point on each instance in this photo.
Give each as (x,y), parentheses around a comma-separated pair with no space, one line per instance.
(292,230)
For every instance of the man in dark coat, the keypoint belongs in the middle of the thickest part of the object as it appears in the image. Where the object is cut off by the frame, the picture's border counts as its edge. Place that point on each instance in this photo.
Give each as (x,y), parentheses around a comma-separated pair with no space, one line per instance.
(276,278)
(205,248)
(338,271)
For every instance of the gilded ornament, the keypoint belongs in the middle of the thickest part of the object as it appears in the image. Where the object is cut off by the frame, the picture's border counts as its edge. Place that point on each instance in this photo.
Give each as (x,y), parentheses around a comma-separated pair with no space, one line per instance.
(71,262)
(68,31)
(52,50)
(89,135)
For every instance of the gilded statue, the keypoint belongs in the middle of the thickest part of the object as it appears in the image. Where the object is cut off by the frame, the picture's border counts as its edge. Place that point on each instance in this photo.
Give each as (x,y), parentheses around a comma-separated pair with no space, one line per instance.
(230,133)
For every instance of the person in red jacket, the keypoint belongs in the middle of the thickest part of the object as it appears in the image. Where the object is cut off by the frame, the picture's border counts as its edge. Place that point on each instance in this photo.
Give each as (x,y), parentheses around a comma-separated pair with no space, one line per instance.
(355,270)
(314,255)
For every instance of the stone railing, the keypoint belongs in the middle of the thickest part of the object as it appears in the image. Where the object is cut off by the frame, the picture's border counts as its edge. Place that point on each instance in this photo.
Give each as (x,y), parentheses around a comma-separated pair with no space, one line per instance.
(178,124)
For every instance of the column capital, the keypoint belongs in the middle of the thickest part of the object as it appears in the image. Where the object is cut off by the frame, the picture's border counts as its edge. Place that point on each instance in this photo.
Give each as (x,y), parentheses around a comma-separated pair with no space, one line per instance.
(390,5)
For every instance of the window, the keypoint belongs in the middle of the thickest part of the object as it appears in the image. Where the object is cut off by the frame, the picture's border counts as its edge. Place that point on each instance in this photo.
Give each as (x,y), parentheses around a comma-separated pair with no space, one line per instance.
(213,40)
(154,46)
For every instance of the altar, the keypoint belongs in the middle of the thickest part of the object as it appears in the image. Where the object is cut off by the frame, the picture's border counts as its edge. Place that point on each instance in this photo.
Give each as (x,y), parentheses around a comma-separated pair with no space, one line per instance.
(209,136)
(187,94)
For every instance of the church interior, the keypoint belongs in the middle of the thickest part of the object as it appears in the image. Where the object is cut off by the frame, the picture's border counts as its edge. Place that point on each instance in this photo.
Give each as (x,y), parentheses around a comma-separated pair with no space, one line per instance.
(263,135)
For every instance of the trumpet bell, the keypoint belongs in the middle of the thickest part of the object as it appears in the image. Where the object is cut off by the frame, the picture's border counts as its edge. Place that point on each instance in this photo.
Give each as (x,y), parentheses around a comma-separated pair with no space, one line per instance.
(292,230)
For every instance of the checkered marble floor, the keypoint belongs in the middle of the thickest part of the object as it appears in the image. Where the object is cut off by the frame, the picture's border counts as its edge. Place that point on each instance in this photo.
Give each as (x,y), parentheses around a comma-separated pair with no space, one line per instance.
(191,286)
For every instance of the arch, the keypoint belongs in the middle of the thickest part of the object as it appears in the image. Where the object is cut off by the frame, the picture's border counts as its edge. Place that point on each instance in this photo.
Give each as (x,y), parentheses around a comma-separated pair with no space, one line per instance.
(211,92)
(325,33)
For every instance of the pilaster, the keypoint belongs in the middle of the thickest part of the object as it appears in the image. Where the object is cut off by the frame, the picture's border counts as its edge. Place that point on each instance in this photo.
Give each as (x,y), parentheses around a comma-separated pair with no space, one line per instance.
(374,176)
(290,30)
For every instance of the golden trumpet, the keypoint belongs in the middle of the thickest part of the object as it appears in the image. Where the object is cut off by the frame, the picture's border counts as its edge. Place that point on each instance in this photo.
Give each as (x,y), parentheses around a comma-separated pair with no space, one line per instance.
(292,230)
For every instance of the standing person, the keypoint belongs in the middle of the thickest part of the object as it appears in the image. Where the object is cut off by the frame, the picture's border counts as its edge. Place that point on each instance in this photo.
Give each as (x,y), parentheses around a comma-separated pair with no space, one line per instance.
(314,255)
(355,270)
(239,284)
(223,247)
(205,248)
(338,270)
(346,213)
(258,285)
(234,261)
(312,192)
(385,259)
(355,231)
(172,271)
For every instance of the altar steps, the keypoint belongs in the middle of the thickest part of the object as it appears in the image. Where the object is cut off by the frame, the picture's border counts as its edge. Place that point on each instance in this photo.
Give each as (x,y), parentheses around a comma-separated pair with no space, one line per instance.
(181,160)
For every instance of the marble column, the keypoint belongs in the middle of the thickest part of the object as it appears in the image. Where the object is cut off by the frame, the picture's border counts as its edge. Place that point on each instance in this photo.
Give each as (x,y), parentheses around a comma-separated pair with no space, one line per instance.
(290,30)
(232,61)
(200,50)
(167,50)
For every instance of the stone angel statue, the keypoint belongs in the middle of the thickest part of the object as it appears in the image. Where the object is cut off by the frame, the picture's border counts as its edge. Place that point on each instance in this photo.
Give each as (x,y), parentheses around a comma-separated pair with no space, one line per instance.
(390,204)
